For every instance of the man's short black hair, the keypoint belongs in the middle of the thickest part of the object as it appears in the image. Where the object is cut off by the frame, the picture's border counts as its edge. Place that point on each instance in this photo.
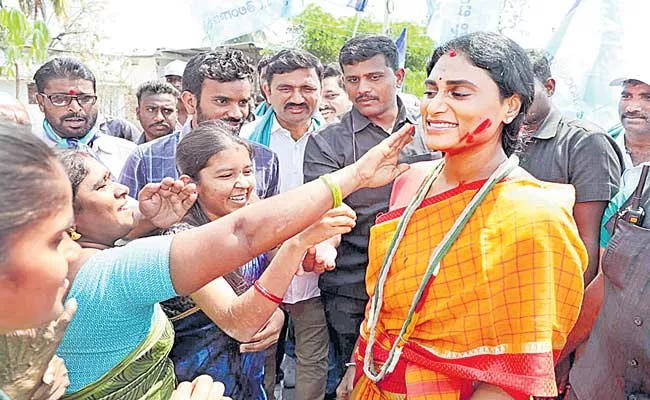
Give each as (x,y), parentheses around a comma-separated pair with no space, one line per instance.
(333,71)
(363,48)
(289,60)
(263,62)
(222,65)
(155,87)
(541,67)
(62,68)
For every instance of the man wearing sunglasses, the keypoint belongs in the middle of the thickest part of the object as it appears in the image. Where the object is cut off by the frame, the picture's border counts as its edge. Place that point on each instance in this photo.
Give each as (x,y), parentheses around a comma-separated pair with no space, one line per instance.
(67,98)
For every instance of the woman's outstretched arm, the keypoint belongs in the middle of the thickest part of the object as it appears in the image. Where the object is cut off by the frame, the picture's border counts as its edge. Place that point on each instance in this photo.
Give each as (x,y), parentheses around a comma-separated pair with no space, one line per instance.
(200,255)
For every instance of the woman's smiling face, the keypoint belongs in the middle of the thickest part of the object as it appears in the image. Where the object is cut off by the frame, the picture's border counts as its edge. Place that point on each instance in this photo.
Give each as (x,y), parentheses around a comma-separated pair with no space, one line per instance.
(462,107)
(227,181)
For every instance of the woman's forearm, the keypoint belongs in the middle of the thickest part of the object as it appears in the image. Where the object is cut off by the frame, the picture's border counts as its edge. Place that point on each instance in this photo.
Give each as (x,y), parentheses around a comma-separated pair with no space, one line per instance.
(247,314)
(219,247)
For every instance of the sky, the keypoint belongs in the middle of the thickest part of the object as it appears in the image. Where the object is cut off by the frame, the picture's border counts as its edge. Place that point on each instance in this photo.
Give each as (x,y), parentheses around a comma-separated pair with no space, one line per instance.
(165,23)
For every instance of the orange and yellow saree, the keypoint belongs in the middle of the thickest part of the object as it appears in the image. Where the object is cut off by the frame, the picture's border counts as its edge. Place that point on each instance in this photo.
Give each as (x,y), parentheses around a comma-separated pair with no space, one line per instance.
(498,310)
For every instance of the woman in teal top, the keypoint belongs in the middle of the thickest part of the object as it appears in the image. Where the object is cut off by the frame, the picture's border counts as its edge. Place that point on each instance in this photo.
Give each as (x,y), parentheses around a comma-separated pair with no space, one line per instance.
(119,339)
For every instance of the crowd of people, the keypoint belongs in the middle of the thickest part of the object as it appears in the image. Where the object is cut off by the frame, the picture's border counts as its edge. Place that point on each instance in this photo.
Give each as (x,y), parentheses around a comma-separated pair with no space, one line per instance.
(478,245)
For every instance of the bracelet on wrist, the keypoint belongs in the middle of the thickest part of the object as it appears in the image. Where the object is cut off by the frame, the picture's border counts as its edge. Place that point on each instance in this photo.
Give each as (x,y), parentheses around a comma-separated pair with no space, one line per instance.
(350,364)
(335,188)
(265,292)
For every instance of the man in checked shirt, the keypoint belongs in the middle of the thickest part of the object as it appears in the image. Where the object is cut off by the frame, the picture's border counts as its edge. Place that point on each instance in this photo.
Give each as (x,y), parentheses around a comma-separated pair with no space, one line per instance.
(216,85)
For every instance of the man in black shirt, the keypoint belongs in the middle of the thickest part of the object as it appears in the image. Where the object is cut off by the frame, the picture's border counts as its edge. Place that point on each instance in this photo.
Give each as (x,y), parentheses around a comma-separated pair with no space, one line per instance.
(372,78)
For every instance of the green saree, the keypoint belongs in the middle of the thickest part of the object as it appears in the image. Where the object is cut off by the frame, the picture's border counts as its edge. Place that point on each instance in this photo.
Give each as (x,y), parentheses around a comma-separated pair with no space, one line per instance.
(145,374)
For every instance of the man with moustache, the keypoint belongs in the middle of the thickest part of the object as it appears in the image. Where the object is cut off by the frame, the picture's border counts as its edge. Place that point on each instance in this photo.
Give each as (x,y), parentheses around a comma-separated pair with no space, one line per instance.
(334,100)
(293,89)
(216,85)
(67,97)
(615,363)
(156,110)
(633,138)
(372,77)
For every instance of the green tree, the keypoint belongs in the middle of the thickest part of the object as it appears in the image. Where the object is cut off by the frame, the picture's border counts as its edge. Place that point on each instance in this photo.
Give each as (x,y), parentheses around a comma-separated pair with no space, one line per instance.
(323,35)
(18,33)
(34,8)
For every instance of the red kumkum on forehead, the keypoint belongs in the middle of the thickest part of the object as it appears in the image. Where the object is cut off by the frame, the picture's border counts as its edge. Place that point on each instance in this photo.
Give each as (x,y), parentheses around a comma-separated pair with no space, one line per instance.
(71,91)
(452,53)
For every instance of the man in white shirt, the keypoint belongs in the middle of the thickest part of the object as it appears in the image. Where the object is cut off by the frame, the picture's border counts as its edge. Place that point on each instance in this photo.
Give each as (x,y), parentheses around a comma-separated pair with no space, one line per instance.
(634,111)
(293,91)
(66,96)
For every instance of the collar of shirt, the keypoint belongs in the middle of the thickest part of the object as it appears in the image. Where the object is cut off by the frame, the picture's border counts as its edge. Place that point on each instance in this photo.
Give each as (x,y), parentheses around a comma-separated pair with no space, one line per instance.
(277,129)
(187,128)
(105,144)
(548,129)
(627,158)
(142,139)
(360,121)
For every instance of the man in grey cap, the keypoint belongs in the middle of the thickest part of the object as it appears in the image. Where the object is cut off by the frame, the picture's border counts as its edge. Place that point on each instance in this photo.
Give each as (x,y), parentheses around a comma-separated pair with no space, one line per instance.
(173,74)
(616,361)
(633,136)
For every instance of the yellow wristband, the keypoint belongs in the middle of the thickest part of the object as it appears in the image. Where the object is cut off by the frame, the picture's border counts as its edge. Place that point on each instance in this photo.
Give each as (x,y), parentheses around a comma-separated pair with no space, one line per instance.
(337,196)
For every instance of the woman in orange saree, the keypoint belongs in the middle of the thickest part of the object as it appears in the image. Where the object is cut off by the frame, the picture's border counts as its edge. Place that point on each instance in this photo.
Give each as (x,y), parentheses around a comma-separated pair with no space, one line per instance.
(475,273)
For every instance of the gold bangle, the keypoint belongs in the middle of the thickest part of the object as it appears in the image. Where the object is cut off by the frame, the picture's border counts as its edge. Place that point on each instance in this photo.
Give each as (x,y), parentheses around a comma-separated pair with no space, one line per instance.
(337,196)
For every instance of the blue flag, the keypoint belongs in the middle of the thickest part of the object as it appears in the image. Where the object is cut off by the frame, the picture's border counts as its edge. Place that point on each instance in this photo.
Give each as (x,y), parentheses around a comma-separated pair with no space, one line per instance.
(401,48)
(358,5)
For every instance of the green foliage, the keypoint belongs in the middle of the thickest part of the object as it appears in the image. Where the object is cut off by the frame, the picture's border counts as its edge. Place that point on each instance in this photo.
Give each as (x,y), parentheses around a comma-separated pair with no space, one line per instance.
(323,35)
(34,8)
(320,33)
(414,82)
(16,33)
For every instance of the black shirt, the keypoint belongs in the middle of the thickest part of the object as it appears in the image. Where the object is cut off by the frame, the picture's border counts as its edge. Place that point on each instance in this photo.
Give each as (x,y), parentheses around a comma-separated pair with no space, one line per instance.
(565,150)
(336,146)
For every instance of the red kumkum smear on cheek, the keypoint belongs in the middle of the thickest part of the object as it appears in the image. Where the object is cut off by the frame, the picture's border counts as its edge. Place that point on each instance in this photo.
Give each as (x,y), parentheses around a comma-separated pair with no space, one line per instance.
(470,136)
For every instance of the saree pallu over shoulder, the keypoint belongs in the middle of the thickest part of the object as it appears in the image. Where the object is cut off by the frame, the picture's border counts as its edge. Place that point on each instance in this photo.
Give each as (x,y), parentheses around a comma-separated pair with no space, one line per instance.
(146,374)
(507,294)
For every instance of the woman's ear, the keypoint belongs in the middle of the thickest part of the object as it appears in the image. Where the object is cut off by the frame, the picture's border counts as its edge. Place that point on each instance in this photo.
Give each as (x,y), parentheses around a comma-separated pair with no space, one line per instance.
(513,107)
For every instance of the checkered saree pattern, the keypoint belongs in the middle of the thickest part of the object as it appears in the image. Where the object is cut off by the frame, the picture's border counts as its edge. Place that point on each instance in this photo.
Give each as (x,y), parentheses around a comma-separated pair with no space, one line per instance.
(508,292)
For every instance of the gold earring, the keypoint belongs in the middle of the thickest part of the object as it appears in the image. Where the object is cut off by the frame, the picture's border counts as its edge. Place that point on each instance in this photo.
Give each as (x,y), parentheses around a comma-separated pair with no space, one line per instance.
(74,235)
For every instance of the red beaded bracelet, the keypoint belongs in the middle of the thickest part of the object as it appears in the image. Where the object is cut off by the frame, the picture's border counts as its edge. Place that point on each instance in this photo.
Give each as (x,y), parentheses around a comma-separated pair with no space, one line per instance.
(264,292)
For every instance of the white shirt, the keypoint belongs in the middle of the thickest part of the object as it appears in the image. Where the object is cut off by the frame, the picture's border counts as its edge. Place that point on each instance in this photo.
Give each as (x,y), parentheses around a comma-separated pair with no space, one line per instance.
(631,173)
(291,154)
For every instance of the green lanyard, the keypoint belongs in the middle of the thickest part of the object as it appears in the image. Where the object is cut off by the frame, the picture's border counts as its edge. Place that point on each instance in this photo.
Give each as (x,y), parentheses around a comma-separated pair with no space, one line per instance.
(433,268)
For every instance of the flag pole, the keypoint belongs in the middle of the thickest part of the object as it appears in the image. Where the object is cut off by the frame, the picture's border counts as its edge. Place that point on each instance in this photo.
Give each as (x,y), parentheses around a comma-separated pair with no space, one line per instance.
(356,24)
(387,11)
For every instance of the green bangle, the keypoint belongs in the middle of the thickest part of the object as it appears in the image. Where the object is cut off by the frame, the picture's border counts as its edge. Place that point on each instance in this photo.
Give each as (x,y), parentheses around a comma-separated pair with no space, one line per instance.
(337,196)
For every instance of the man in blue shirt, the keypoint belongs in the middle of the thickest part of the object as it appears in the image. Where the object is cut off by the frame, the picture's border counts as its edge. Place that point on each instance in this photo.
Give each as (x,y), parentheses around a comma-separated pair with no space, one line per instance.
(216,85)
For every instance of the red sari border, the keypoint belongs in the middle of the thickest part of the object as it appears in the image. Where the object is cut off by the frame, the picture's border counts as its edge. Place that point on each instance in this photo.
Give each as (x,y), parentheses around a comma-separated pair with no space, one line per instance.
(396,213)
(521,375)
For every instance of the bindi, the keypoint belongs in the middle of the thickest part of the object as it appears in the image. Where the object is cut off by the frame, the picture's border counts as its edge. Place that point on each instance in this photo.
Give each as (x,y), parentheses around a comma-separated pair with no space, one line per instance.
(452,53)
(71,92)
